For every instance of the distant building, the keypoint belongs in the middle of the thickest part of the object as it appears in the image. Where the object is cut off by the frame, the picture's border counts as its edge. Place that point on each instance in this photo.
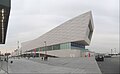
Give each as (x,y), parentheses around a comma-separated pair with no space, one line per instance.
(67,40)
(4,17)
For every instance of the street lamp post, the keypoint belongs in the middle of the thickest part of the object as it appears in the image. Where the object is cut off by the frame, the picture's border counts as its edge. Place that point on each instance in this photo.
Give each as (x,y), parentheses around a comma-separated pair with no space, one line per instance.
(111,51)
(39,52)
(7,60)
(115,51)
(45,56)
(18,47)
(45,47)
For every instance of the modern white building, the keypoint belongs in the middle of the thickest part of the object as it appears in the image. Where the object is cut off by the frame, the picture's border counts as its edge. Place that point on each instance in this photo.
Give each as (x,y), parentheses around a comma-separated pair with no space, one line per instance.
(66,40)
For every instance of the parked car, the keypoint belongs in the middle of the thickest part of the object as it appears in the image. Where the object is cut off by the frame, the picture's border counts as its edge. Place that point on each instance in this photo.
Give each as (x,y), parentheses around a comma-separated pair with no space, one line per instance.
(99,57)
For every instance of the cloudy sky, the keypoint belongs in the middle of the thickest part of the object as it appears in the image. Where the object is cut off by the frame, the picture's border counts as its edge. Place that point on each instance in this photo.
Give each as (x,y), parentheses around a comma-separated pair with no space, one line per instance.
(30,19)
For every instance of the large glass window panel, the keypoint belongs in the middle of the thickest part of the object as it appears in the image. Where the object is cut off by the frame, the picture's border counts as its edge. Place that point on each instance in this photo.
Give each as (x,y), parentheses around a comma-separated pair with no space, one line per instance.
(37,49)
(65,46)
(76,45)
(43,48)
(90,30)
(56,47)
(49,48)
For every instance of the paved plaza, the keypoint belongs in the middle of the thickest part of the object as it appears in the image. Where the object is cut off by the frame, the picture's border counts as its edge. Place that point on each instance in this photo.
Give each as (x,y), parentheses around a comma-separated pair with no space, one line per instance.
(81,65)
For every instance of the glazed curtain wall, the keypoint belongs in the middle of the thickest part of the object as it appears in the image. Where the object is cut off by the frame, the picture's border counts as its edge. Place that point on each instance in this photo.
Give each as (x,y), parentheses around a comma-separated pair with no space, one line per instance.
(69,45)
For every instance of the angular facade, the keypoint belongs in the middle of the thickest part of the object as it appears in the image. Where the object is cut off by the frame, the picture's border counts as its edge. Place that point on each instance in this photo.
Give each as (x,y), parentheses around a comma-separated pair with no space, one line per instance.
(67,39)
(5,6)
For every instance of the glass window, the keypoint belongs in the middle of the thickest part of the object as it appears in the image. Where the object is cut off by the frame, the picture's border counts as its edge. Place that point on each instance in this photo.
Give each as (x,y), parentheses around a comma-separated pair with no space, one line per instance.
(56,47)
(49,48)
(65,46)
(90,31)
(43,48)
(40,49)
(37,49)
(76,45)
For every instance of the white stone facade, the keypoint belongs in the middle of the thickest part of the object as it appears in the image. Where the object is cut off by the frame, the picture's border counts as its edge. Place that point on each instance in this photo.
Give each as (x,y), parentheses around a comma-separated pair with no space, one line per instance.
(77,30)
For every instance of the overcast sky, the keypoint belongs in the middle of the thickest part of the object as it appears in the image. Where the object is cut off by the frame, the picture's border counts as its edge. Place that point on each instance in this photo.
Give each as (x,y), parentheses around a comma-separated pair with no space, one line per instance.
(29,19)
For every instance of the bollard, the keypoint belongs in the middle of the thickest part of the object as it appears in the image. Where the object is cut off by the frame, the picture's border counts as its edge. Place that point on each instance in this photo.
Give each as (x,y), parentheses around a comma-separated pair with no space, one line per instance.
(89,54)
(11,62)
